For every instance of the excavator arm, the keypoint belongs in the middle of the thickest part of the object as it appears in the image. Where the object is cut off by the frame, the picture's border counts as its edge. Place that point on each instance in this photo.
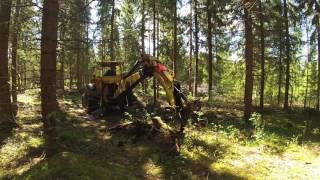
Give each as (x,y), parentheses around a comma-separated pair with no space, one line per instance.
(148,66)
(151,67)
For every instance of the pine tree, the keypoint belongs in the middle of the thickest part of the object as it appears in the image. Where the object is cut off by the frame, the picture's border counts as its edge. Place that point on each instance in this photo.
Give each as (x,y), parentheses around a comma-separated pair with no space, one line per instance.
(5,100)
(49,105)
(249,59)
(209,39)
(288,58)
(14,68)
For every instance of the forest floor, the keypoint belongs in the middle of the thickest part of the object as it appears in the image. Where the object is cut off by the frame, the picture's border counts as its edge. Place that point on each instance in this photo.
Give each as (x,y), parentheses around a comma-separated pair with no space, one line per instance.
(218,149)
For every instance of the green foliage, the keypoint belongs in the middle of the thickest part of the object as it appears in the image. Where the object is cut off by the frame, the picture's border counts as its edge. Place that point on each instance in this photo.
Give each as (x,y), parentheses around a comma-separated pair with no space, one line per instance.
(259,125)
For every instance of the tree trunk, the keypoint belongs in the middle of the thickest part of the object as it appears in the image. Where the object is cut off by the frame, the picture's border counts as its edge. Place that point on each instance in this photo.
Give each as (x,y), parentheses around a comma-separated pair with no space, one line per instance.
(191,49)
(307,87)
(288,60)
(158,52)
(280,64)
(88,55)
(70,76)
(175,47)
(196,78)
(5,100)
(79,62)
(48,73)
(62,69)
(154,51)
(210,59)
(62,57)
(145,83)
(112,53)
(317,6)
(25,70)
(262,48)
(318,89)
(14,67)
(249,61)
(307,66)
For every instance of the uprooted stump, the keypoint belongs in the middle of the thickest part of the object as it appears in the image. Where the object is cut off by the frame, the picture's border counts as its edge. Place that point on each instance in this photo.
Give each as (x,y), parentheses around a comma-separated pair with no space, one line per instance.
(159,132)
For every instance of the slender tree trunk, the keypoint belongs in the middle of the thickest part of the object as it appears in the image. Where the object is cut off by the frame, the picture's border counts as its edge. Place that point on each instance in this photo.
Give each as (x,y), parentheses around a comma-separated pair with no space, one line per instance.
(78,62)
(209,39)
(307,87)
(5,100)
(62,68)
(88,55)
(317,6)
(145,83)
(25,70)
(307,66)
(113,57)
(70,76)
(318,84)
(48,73)
(154,51)
(175,47)
(191,49)
(280,69)
(288,58)
(196,78)
(280,54)
(249,61)
(62,57)
(158,53)
(262,48)
(14,67)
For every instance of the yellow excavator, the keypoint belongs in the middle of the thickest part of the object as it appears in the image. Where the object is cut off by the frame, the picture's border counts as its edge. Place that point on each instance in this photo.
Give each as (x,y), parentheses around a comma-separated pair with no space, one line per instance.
(115,90)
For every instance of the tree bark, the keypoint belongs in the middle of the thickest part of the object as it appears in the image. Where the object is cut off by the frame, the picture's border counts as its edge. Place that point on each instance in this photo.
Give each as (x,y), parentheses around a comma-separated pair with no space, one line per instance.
(249,61)
(288,58)
(154,51)
(112,53)
(262,58)
(191,49)
(62,57)
(175,47)
(70,76)
(209,39)
(14,67)
(145,84)
(318,84)
(280,57)
(307,87)
(48,73)
(317,7)
(196,78)
(79,62)
(307,67)
(5,100)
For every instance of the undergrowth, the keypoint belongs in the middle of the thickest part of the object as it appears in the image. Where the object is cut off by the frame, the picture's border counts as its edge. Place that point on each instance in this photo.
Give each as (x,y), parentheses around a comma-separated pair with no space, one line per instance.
(278,147)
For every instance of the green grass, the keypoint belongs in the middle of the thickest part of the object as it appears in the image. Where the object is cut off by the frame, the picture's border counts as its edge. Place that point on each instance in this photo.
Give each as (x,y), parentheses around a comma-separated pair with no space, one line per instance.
(222,149)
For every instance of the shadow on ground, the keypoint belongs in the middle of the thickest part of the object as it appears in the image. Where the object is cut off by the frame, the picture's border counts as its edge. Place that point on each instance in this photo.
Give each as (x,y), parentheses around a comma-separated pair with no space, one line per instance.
(88,151)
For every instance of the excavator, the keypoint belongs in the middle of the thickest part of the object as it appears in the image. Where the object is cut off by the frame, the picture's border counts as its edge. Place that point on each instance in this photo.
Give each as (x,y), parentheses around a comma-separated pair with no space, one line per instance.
(116,90)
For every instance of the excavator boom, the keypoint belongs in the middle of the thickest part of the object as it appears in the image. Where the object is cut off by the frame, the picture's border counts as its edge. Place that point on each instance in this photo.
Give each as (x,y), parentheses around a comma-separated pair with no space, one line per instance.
(113,88)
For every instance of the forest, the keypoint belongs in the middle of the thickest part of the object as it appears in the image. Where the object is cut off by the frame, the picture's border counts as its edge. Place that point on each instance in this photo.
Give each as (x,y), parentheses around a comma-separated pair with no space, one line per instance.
(160,89)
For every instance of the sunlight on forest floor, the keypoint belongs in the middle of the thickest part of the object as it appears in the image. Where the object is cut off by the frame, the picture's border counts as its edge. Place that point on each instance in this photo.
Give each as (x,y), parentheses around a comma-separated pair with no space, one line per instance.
(220,149)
